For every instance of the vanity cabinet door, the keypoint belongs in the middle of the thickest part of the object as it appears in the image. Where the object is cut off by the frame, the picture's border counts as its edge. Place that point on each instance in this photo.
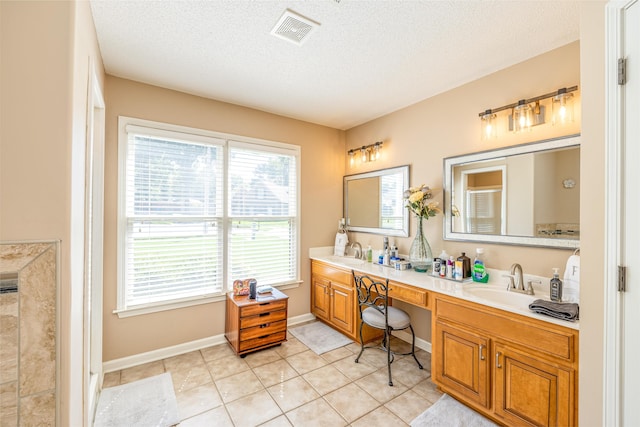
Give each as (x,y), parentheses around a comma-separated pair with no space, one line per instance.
(529,391)
(462,364)
(342,303)
(320,296)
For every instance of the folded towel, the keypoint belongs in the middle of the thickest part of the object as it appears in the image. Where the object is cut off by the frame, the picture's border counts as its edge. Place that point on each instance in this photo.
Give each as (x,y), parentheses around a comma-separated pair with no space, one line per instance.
(571,280)
(560,310)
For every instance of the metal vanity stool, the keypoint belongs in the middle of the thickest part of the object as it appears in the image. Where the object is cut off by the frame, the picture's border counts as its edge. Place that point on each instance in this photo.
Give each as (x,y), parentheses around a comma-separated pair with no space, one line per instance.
(375,311)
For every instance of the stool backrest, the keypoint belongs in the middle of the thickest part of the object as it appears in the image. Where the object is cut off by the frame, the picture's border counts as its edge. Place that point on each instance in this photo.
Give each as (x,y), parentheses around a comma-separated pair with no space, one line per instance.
(371,293)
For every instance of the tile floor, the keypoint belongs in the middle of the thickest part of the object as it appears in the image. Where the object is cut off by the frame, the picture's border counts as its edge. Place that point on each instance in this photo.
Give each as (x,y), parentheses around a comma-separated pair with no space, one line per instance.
(290,385)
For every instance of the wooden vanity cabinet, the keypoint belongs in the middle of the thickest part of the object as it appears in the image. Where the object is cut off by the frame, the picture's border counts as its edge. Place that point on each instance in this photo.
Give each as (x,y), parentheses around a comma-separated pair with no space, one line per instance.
(462,362)
(332,297)
(334,301)
(514,369)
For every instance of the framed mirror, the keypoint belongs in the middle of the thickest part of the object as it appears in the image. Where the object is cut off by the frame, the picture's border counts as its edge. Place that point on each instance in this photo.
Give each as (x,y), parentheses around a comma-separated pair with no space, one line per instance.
(526,194)
(373,202)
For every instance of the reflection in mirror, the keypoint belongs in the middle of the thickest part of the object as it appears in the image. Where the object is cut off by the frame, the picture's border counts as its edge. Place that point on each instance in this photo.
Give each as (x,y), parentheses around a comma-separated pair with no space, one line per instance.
(373,202)
(527,195)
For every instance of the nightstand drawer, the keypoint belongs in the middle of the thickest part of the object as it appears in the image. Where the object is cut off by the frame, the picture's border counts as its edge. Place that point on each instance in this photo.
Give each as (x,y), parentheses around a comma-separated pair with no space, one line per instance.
(262,318)
(263,330)
(263,307)
(261,341)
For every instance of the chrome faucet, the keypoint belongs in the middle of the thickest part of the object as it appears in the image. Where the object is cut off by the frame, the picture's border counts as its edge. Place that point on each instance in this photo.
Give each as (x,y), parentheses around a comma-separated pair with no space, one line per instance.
(516,280)
(357,253)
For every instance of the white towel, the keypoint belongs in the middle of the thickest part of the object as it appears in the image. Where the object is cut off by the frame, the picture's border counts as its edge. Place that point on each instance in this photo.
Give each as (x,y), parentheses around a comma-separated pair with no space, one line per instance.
(571,282)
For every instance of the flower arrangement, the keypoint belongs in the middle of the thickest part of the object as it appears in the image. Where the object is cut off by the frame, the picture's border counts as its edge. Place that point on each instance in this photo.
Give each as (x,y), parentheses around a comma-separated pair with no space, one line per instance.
(417,201)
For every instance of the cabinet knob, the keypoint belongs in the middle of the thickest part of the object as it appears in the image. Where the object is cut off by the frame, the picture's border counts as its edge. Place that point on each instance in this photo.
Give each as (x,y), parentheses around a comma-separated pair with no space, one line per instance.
(498,365)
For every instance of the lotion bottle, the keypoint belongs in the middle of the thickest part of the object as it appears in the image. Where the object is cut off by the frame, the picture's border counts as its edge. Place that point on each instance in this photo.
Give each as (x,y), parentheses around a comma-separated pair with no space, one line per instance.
(555,286)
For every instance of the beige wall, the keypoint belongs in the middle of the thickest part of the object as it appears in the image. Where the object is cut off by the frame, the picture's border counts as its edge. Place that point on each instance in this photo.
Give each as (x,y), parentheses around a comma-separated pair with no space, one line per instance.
(592,164)
(322,167)
(46,49)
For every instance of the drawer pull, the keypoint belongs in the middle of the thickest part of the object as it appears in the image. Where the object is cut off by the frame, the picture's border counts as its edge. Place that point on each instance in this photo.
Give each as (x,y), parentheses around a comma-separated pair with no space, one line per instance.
(264,303)
(498,365)
(265,325)
(263,337)
(481,351)
(264,314)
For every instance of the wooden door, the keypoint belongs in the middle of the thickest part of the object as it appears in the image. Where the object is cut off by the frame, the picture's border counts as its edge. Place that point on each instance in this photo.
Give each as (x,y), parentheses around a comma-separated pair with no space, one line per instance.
(320,288)
(342,307)
(461,364)
(530,392)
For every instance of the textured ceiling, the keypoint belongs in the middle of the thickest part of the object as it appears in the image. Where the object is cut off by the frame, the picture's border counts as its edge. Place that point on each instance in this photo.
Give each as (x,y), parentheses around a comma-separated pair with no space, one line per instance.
(366,59)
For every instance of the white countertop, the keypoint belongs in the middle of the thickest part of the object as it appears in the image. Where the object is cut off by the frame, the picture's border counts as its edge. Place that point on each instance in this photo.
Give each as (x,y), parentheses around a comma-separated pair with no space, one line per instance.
(509,301)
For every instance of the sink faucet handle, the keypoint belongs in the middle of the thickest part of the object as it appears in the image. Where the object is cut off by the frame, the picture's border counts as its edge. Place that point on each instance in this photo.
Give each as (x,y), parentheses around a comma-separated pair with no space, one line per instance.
(530,290)
(511,284)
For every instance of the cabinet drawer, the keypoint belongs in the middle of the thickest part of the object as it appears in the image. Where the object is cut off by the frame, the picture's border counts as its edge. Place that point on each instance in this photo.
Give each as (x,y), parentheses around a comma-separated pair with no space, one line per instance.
(262,318)
(333,273)
(263,340)
(408,294)
(264,307)
(262,330)
(558,342)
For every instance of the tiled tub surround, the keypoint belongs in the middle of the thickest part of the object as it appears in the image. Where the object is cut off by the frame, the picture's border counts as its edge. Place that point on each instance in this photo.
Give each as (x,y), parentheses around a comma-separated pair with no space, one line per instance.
(28,334)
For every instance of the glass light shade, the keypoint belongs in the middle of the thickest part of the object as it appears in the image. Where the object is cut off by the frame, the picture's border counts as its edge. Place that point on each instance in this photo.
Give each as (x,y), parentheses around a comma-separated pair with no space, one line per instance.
(363,155)
(488,124)
(562,108)
(376,152)
(352,158)
(522,117)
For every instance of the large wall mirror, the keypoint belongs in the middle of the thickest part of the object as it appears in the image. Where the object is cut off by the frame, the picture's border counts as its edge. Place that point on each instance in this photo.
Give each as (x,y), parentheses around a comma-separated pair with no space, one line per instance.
(373,202)
(524,195)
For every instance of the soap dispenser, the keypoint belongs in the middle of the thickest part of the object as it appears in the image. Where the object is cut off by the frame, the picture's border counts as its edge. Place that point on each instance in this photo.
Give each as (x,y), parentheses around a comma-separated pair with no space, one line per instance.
(555,286)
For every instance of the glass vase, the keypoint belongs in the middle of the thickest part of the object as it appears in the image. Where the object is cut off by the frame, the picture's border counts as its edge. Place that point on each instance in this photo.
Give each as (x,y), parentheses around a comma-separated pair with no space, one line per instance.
(420,254)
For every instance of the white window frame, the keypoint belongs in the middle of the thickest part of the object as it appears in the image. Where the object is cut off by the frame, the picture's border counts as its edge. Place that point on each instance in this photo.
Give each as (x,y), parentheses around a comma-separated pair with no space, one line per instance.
(191,134)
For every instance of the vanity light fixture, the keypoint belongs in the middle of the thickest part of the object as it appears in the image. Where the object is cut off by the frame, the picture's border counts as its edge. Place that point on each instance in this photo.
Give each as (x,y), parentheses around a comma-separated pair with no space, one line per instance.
(562,108)
(364,154)
(489,128)
(523,115)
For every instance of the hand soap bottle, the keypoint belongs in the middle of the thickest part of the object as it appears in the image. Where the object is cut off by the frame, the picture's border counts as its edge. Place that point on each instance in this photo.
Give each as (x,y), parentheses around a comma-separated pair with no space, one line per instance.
(555,287)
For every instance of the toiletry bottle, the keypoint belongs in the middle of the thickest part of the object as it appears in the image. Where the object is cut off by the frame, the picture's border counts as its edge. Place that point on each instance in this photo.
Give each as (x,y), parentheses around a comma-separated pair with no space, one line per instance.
(458,269)
(555,287)
(386,257)
(437,262)
(450,267)
(465,266)
(369,254)
(444,256)
(479,273)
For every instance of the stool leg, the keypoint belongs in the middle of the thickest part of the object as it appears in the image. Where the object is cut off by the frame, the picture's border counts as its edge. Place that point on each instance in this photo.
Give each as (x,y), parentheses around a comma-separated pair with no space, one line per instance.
(413,347)
(388,345)
(361,343)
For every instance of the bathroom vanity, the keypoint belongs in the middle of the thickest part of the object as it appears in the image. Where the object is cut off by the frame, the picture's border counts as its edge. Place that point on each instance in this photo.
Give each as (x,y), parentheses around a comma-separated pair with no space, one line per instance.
(488,349)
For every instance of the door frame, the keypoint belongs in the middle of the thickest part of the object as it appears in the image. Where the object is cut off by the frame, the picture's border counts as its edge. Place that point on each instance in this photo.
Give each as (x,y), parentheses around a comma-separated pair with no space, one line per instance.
(613,327)
(94,243)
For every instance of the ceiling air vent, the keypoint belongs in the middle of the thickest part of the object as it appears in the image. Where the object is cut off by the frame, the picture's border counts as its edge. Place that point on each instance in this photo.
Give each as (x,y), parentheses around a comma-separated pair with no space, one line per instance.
(293,27)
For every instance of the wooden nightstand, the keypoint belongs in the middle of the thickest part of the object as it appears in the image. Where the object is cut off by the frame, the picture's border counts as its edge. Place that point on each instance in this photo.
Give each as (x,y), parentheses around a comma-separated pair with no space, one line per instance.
(252,325)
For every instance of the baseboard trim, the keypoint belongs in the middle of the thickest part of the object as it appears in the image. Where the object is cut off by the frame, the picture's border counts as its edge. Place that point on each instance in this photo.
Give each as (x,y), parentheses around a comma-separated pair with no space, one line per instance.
(163,353)
(420,343)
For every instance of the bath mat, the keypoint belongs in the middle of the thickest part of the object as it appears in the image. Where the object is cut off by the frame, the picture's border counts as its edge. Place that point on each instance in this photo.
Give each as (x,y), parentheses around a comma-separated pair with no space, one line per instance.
(448,412)
(319,337)
(148,402)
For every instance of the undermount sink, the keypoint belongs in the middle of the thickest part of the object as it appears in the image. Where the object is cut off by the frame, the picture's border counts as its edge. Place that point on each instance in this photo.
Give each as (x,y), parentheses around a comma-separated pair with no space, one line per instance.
(502,296)
(348,260)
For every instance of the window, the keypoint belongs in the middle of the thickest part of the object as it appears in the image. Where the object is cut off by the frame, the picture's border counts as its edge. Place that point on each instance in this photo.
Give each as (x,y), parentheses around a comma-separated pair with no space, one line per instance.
(198,210)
